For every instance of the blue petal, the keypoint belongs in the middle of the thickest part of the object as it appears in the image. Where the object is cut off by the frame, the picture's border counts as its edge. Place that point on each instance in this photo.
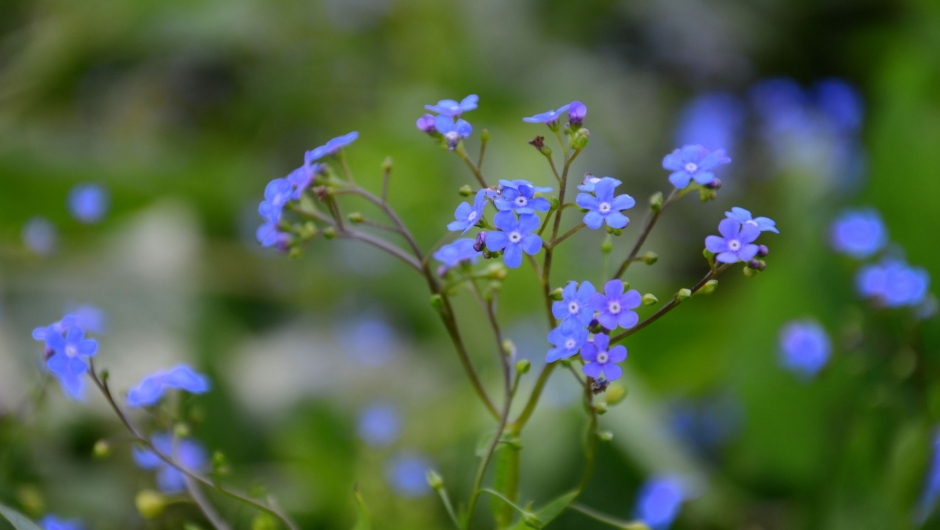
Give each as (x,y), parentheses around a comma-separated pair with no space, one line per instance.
(593,220)
(513,256)
(496,241)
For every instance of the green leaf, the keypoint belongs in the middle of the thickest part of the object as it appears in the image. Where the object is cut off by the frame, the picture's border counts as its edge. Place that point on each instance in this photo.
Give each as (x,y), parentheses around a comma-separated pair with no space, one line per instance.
(18,520)
(550,511)
(362,521)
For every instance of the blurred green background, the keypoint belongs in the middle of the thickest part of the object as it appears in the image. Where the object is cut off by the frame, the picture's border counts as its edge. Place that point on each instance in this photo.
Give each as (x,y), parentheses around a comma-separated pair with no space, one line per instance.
(184,110)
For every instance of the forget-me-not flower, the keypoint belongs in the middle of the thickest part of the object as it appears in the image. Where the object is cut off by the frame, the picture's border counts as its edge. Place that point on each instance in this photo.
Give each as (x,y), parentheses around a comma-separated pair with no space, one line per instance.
(603,206)
(575,302)
(764,224)
(587,185)
(66,348)
(804,347)
(514,237)
(467,216)
(576,113)
(693,162)
(551,117)
(460,250)
(614,307)
(893,283)
(736,243)
(40,236)
(426,124)
(51,522)
(514,184)
(567,339)
(521,199)
(453,109)
(186,452)
(713,119)
(407,474)
(659,501)
(453,132)
(88,203)
(379,425)
(152,388)
(332,147)
(859,233)
(601,357)
(301,178)
(277,194)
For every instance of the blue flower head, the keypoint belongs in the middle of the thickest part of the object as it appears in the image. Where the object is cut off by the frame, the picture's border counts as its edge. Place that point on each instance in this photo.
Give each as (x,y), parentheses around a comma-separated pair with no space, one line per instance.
(587,185)
(453,131)
(693,162)
(659,502)
(521,199)
(841,103)
(301,178)
(567,339)
(614,307)
(40,236)
(550,118)
(713,119)
(893,283)
(66,351)
(426,124)
(151,389)
(600,359)
(603,206)
(467,216)
(804,347)
(453,109)
(90,319)
(407,474)
(859,233)
(764,224)
(51,522)
(276,195)
(514,237)
(88,203)
(332,147)
(928,498)
(459,251)
(379,425)
(186,452)
(514,184)
(576,113)
(736,241)
(575,303)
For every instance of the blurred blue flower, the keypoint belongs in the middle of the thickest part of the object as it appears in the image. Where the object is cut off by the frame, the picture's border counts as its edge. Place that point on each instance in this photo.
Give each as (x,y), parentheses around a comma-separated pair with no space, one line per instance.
(600,358)
(51,522)
(514,184)
(575,302)
(453,109)
(659,501)
(426,124)
(587,185)
(407,474)
(893,283)
(40,236)
(841,103)
(515,237)
(151,389)
(331,148)
(859,233)
(277,194)
(460,250)
(521,199)
(379,425)
(370,339)
(301,178)
(804,347)
(90,318)
(576,113)
(693,162)
(706,424)
(184,451)
(66,348)
(735,243)
(551,117)
(603,206)
(567,339)
(713,120)
(88,203)
(453,131)
(764,224)
(467,216)
(614,307)
(928,498)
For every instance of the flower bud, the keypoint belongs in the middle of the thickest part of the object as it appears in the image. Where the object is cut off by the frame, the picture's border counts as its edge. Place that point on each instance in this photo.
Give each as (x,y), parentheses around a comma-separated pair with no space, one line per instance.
(566,362)
(576,113)
(523,366)
(761,265)
(264,521)
(608,245)
(650,257)
(580,139)
(531,520)
(426,124)
(219,463)
(615,394)
(626,285)
(435,480)
(480,242)
(650,299)
(181,430)
(714,185)
(683,295)
(749,272)
(101,450)
(709,287)
(656,201)
(558,294)
(355,217)
(436,301)
(329,232)
(554,203)
(709,255)
(485,136)
(31,498)
(105,375)
(605,436)
(617,232)
(387,164)
(762,251)
(496,271)
(150,504)
(465,191)
(601,408)
(705,194)
(509,347)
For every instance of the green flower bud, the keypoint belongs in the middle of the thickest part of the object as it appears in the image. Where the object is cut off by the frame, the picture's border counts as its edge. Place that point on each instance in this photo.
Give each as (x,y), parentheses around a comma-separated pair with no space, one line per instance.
(523,366)
(650,299)
(105,374)
(295,252)
(329,232)
(181,430)
(608,245)
(580,139)
(101,450)
(496,271)
(485,135)
(615,394)
(557,295)
(566,362)
(601,408)
(31,499)
(749,272)
(387,164)
(465,190)
(150,504)
(605,436)
(264,521)
(554,203)
(707,194)
(650,257)
(219,463)
(355,217)
(436,301)
(509,347)
(709,287)
(531,520)
(709,255)
(683,295)
(626,285)
(435,480)
(617,231)
(656,201)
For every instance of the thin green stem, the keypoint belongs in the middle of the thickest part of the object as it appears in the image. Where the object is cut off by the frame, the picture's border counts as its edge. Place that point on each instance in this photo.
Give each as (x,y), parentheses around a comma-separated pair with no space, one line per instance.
(462,153)
(199,497)
(449,507)
(499,495)
(648,225)
(483,143)
(608,519)
(566,235)
(342,164)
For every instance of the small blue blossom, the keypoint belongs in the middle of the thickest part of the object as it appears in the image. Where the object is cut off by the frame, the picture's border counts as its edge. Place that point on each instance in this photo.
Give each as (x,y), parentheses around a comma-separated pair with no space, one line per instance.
(301,178)
(804,347)
(66,348)
(453,109)
(467,216)
(186,452)
(928,498)
(514,184)
(515,237)
(379,425)
(893,283)
(521,199)
(693,162)
(332,147)
(587,185)
(88,203)
(859,233)
(277,194)
(151,389)
(600,358)
(764,224)
(714,120)
(51,522)
(615,308)
(453,132)
(551,117)
(603,206)
(576,113)
(841,103)
(567,339)
(575,303)
(659,501)
(90,318)
(40,236)
(407,474)
(736,243)
(426,124)
(459,251)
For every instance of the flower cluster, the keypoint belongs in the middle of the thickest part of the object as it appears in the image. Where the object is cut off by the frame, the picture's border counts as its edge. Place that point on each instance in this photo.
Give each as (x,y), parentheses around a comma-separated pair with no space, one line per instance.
(188,453)
(151,389)
(67,351)
(447,125)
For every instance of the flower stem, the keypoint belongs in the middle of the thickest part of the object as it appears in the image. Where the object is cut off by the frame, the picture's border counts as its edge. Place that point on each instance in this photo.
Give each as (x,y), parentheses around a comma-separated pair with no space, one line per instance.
(648,225)
(607,519)
(462,153)
(566,235)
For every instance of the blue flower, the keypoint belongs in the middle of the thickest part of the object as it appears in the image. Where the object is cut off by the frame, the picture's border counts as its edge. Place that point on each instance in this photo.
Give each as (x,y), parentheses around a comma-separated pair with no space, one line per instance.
(426,124)
(893,283)
(575,302)
(514,184)
(467,216)
(551,117)
(841,103)
(277,194)
(693,162)
(51,522)
(928,498)
(764,224)
(521,199)
(151,389)
(515,237)
(587,185)
(407,474)
(301,178)
(603,206)
(66,348)
(804,347)
(186,452)
(379,425)
(567,339)
(90,318)
(576,113)
(332,147)
(859,233)
(453,109)
(736,243)
(659,501)
(460,250)
(40,236)
(713,120)
(453,132)
(88,203)
(614,307)
(600,358)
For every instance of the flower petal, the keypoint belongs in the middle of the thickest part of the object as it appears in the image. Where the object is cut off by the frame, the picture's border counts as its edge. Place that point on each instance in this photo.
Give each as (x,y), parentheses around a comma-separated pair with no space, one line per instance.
(592,369)
(628,319)
(616,220)
(531,244)
(617,354)
(623,202)
(612,372)
(593,220)
(512,256)
(729,228)
(586,201)
(680,179)
(496,240)
(716,244)
(613,288)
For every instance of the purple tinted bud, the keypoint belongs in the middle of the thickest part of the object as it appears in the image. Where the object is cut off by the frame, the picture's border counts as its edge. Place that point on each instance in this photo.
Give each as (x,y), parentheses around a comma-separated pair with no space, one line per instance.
(426,124)
(442,270)
(762,250)
(714,185)
(480,242)
(576,113)
(754,264)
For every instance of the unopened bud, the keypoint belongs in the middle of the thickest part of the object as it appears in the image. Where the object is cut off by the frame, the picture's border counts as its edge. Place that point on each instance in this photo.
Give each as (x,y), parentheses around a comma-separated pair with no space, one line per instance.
(581,138)
(714,185)
(426,124)
(485,136)
(650,299)
(617,232)
(150,504)
(531,520)
(706,194)
(709,287)
(436,301)
(762,251)
(615,394)
(105,375)
(558,294)
(480,242)
(219,463)
(496,271)
(465,190)
(523,366)
(600,407)
(355,217)
(434,480)
(101,450)
(605,436)
(709,255)
(683,295)
(650,257)
(608,245)
(387,164)
(329,232)
(656,201)
(554,203)
(181,430)
(749,272)
(264,521)
(761,265)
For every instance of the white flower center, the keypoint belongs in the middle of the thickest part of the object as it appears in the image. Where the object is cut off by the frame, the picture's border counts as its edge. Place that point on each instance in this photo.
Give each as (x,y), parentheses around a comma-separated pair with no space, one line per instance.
(734,245)
(521,201)
(71,351)
(691,167)
(472,216)
(452,137)
(594,180)
(570,344)
(574,307)
(604,207)
(613,307)
(515,237)
(602,357)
